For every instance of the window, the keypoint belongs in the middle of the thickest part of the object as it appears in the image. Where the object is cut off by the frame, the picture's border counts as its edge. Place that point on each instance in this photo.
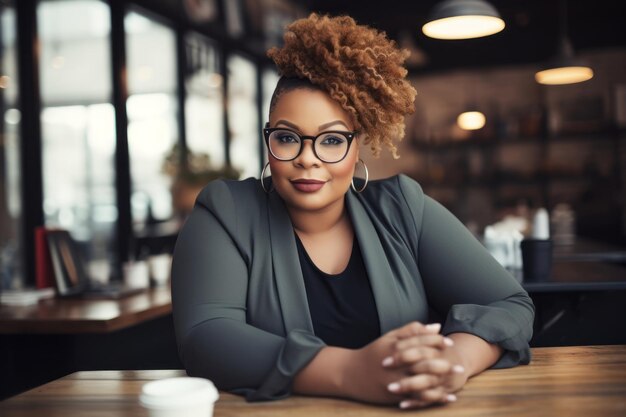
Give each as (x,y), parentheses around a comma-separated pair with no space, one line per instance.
(77,123)
(204,106)
(152,115)
(78,140)
(10,203)
(243,119)
(269,80)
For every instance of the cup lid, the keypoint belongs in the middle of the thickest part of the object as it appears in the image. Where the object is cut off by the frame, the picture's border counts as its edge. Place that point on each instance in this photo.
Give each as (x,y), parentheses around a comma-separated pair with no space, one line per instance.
(178,392)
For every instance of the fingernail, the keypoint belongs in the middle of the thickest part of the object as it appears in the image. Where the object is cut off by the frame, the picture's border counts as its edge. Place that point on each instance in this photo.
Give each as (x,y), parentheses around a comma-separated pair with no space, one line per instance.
(388,361)
(405,404)
(434,327)
(458,369)
(393,387)
(448,342)
(451,398)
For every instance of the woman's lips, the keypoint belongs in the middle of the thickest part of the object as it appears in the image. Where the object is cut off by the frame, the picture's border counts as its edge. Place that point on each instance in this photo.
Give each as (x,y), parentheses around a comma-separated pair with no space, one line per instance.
(308,186)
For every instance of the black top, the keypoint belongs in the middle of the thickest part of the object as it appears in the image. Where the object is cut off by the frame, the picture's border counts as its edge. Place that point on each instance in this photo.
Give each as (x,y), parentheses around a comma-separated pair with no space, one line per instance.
(342,306)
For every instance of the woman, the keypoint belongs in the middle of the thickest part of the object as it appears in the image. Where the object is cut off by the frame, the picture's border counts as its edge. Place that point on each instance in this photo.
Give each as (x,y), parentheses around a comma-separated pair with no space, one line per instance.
(311,282)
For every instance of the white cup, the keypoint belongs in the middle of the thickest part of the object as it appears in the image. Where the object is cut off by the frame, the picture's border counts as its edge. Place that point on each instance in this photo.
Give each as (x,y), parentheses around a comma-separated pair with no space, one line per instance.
(160,266)
(182,396)
(99,271)
(136,274)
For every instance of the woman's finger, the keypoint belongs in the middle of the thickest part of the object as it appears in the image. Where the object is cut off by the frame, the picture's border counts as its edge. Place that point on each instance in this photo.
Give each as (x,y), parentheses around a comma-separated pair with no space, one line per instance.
(433,395)
(432,340)
(415,384)
(410,356)
(415,328)
(408,404)
(436,367)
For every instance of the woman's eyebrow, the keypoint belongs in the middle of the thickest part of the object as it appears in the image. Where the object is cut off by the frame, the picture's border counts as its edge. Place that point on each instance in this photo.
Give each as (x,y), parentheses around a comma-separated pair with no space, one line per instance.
(336,122)
(321,127)
(288,124)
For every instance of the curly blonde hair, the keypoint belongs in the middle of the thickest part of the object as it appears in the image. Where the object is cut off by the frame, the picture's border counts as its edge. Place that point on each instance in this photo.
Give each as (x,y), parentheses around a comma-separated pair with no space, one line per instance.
(358,66)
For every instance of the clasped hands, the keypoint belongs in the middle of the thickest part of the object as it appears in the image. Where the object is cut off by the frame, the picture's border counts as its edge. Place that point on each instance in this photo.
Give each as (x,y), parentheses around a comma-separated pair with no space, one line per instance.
(413,366)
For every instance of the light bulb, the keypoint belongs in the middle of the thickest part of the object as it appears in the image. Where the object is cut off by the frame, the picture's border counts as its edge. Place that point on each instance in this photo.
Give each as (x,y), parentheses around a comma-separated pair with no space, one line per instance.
(471,120)
(463,27)
(564,75)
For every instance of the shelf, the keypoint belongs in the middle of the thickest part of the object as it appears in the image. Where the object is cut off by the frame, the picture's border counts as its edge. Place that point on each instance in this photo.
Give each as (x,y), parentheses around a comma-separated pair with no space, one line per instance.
(460,144)
(485,177)
(503,181)
(608,134)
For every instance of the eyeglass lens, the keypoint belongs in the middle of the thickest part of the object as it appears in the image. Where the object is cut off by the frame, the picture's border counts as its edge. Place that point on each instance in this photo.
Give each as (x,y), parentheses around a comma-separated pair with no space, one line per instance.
(329,146)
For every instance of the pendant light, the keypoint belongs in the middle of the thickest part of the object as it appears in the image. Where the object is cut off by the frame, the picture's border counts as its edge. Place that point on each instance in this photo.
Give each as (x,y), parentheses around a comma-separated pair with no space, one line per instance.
(565,68)
(463,19)
(471,120)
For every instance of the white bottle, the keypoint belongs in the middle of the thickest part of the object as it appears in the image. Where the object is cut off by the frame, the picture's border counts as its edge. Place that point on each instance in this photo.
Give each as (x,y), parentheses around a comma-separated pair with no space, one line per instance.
(541,225)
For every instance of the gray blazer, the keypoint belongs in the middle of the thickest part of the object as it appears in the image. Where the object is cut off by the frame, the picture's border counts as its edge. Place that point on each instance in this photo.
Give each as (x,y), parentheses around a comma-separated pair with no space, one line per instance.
(239,302)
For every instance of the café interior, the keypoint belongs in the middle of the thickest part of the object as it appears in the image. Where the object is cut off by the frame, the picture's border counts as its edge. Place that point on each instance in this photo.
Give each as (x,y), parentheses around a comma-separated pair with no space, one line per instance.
(114,114)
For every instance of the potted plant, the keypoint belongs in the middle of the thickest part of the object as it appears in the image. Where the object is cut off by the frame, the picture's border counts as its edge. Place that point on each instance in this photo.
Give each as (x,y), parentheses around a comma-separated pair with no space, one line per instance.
(190,172)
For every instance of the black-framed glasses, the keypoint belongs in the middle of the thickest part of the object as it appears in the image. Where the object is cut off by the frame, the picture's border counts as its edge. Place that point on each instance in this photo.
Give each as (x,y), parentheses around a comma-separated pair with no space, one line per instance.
(286,145)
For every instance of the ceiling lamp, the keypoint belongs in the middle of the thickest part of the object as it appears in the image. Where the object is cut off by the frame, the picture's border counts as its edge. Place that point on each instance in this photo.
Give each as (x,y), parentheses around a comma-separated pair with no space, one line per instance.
(463,19)
(565,68)
(471,120)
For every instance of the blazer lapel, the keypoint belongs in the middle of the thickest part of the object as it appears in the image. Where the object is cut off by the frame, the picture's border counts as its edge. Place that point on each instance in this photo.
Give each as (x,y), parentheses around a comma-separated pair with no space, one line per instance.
(377,266)
(287,270)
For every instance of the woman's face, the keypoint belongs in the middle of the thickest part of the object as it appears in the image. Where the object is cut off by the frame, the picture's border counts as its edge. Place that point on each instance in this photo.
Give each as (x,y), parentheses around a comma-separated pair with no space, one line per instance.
(308,113)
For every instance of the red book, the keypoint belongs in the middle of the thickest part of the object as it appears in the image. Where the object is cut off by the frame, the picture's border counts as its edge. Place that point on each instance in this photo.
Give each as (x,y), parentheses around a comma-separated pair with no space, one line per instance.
(44,274)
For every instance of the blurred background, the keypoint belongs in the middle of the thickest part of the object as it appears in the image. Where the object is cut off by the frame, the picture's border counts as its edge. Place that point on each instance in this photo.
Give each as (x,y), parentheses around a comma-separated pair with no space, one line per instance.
(116,113)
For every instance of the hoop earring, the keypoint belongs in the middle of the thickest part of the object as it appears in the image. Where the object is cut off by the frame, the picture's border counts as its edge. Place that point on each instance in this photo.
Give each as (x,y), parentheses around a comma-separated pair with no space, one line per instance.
(262,179)
(367,177)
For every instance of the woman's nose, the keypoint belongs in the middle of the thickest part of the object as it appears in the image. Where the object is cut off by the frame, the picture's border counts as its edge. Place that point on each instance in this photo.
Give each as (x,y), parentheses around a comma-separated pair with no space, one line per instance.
(307,155)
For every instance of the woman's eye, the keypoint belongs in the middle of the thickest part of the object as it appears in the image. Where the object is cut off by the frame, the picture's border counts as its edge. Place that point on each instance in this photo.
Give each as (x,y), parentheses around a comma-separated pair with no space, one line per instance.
(332,140)
(287,139)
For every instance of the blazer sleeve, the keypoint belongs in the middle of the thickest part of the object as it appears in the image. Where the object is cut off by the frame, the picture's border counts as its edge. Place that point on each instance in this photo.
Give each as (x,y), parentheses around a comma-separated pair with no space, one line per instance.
(209,290)
(465,284)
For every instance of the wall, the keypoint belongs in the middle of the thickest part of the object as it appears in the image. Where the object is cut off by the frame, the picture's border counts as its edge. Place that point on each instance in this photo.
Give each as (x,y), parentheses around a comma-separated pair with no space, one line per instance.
(542,144)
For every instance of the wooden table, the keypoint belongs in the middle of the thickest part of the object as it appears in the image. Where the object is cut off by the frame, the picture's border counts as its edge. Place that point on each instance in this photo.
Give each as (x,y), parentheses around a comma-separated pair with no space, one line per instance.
(584,300)
(563,381)
(581,276)
(72,316)
(41,342)
(589,250)
(584,266)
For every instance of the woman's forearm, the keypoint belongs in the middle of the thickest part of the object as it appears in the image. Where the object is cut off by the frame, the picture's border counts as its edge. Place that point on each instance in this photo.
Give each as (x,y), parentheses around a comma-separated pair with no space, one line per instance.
(474,353)
(359,374)
(324,374)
